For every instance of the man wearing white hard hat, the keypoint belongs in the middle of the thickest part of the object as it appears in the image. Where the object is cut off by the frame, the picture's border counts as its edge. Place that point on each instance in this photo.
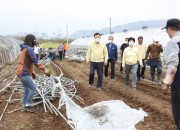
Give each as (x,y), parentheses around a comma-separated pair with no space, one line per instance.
(154,50)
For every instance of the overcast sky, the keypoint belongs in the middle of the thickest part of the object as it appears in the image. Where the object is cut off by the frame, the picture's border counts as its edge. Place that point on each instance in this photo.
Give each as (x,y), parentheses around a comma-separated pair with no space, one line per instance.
(48,16)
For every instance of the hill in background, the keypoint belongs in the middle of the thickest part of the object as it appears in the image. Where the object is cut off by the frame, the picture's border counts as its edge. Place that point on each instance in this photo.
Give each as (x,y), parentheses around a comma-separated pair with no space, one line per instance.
(129,26)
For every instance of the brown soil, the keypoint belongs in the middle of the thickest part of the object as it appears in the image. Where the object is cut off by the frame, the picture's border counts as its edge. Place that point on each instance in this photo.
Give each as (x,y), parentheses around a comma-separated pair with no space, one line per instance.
(148,97)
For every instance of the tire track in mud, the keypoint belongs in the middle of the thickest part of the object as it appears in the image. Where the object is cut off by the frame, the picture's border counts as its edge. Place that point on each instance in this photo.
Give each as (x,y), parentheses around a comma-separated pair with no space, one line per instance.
(156,120)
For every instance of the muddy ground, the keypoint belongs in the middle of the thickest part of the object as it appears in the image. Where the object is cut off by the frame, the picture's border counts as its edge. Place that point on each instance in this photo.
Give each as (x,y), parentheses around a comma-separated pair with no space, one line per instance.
(147,96)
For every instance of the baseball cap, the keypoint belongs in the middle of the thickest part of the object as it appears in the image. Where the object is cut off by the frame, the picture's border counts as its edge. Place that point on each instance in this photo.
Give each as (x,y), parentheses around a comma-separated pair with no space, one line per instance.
(172,23)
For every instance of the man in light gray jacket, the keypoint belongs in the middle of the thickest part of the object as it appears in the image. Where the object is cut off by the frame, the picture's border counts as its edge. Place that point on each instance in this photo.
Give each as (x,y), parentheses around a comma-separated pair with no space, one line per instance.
(172,56)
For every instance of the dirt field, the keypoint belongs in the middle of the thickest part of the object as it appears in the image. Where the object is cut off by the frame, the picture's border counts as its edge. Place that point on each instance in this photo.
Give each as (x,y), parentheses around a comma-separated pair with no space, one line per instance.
(148,97)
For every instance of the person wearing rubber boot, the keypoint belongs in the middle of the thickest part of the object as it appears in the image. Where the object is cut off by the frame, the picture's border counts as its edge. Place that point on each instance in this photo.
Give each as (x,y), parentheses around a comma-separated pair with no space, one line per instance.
(172,57)
(154,50)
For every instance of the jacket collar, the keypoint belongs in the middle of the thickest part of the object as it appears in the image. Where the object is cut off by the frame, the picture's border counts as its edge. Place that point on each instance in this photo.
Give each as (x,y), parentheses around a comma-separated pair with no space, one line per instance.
(178,33)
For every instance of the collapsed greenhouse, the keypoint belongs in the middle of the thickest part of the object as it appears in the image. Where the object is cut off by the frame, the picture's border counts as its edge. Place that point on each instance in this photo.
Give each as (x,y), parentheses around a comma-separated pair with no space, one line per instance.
(9,50)
(77,114)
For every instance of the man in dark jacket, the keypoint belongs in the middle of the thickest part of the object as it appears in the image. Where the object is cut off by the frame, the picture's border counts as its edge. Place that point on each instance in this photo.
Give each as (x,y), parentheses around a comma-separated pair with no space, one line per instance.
(25,69)
(113,56)
(154,50)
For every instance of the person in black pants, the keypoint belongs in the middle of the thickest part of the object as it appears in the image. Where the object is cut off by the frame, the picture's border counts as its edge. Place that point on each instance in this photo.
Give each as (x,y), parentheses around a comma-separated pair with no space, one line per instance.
(113,56)
(123,46)
(97,56)
(142,51)
(172,57)
(99,67)
(154,50)
(60,50)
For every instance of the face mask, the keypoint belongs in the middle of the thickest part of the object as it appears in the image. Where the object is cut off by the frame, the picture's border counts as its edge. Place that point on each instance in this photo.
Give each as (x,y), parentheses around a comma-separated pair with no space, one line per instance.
(131,44)
(110,41)
(97,40)
(140,43)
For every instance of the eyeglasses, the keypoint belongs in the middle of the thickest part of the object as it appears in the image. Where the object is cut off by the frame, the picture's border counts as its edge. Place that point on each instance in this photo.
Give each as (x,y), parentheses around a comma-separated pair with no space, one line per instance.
(156,41)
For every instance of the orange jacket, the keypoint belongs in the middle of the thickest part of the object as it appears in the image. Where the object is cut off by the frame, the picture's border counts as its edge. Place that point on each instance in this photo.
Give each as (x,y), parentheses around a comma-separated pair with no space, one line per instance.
(65,47)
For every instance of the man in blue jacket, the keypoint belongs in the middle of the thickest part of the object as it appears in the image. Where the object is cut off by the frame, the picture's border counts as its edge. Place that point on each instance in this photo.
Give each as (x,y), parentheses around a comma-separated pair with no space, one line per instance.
(113,56)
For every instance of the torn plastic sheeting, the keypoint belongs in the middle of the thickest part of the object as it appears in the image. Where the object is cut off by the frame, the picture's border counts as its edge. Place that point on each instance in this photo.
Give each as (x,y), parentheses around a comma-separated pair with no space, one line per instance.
(119,117)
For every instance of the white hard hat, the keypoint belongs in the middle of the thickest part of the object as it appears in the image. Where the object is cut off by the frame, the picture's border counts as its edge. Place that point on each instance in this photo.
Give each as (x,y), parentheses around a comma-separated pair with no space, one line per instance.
(156,39)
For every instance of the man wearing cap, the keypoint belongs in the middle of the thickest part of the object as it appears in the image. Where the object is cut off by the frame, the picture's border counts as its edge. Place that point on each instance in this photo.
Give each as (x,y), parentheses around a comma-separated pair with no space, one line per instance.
(172,57)
(142,50)
(154,50)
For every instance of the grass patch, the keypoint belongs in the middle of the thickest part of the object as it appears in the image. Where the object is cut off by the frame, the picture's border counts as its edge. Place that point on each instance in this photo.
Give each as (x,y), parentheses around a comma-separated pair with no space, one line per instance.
(22,126)
(48,45)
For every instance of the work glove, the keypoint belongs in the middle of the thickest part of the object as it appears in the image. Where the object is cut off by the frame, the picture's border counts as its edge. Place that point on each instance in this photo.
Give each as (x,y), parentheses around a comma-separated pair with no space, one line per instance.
(33,76)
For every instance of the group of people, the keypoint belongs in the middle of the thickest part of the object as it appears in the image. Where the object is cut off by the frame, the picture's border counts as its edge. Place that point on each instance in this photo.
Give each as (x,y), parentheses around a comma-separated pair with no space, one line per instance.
(61,49)
(50,52)
(38,50)
(134,57)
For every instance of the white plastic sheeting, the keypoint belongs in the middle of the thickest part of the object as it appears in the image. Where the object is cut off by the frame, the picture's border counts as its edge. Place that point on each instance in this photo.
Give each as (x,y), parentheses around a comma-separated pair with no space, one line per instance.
(9,50)
(119,116)
(148,34)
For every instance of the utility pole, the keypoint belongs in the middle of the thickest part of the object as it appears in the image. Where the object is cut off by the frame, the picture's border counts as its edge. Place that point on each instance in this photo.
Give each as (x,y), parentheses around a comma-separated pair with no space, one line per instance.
(110,26)
(67,34)
(59,35)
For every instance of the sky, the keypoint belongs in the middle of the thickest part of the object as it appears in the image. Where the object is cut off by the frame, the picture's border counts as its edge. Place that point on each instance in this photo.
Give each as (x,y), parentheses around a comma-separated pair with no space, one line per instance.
(62,17)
